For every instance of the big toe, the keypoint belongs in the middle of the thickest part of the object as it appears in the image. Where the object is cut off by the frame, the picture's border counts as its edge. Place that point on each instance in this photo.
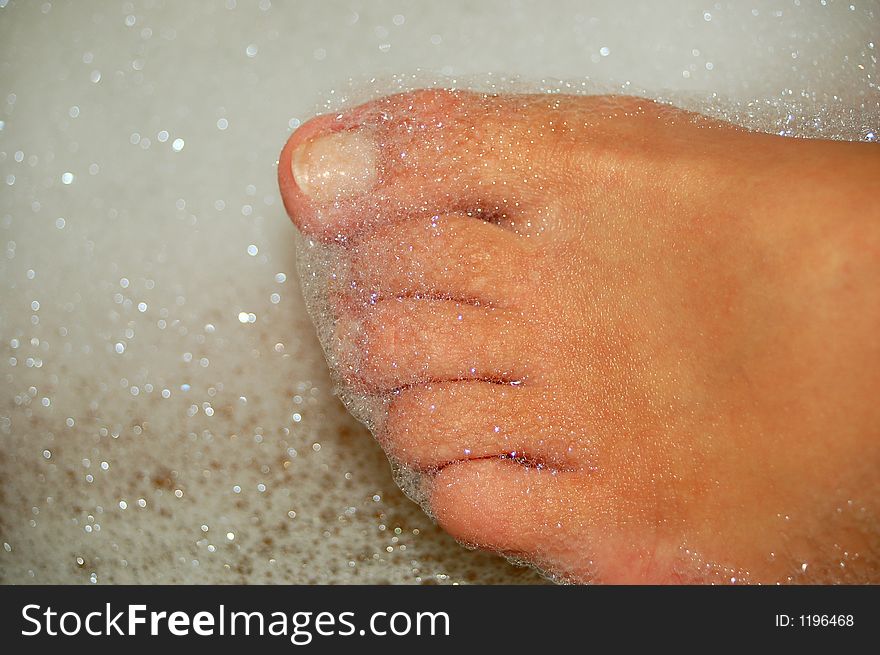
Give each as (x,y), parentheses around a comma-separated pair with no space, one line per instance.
(422,152)
(337,165)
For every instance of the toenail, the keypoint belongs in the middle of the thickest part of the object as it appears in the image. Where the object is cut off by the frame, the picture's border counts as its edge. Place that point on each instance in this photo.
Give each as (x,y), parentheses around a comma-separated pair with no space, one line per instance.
(336,165)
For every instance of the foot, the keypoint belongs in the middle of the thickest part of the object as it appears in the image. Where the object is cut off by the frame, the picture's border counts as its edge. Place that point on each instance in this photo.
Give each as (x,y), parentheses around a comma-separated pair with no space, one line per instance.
(619,341)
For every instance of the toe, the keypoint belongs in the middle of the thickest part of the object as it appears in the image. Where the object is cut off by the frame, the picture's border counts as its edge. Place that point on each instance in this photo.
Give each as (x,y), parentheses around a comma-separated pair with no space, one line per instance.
(420,152)
(430,426)
(539,514)
(329,163)
(450,256)
(402,342)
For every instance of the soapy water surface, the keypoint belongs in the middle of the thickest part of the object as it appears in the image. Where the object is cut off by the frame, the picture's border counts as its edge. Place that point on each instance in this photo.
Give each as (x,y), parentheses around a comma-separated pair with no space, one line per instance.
(336,284)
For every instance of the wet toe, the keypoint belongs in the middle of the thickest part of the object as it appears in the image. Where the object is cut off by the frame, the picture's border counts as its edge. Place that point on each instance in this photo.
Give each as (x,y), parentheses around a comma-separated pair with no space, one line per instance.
(403,342)
(418,153)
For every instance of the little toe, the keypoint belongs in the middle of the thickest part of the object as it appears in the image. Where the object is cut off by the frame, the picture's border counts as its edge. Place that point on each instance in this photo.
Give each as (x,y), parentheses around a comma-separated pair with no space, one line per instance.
(538,514)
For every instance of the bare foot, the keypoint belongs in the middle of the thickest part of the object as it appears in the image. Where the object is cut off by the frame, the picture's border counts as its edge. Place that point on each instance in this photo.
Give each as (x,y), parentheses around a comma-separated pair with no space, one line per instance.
(623,342)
